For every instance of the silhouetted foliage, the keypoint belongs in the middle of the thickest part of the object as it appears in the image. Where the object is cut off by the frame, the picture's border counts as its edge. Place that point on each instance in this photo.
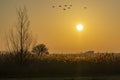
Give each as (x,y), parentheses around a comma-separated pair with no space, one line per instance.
(61,65)
(40,49)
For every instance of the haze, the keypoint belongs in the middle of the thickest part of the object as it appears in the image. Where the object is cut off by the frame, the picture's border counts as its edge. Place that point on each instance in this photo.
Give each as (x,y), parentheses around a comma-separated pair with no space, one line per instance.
(56,27)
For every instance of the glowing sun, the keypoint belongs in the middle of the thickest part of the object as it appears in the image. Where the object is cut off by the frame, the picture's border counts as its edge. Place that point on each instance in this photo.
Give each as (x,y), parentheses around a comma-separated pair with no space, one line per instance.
(79,27)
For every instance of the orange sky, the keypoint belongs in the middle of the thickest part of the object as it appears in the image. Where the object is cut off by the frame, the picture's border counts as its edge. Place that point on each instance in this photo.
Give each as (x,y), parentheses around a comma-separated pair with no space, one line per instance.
(57,28)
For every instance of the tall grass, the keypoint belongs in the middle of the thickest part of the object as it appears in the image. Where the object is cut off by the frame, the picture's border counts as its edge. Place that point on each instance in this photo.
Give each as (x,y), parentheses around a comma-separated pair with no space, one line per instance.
(60,64)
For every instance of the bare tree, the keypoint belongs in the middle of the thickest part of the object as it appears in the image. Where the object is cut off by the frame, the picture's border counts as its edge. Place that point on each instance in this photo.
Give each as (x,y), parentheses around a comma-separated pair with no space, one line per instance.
(20,37)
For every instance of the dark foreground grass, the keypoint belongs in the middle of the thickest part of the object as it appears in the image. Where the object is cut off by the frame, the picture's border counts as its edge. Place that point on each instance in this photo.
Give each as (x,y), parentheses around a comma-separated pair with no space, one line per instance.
(60,65)
(66,78)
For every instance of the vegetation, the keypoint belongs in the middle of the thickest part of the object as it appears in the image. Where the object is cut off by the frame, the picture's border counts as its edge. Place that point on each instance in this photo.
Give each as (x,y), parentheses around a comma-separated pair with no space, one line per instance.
(60,65)
(40,49)
(20,38)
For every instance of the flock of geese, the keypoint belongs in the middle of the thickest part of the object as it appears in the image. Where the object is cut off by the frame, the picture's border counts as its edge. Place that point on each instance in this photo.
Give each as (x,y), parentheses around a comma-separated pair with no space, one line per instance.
(66,6)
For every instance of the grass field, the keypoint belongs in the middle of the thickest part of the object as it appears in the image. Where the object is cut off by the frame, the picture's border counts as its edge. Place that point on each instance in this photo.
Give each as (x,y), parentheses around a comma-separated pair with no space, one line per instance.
(67,78)
(61,65)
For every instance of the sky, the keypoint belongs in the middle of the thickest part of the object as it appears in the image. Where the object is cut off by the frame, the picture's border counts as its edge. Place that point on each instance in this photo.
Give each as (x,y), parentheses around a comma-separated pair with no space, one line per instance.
(56,27)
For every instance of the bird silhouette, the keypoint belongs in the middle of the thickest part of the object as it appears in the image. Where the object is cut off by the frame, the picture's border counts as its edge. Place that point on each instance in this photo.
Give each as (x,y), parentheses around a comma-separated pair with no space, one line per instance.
(69,7)
(65,5)
(64,9)
(59,6)
(53,6)
(84,7)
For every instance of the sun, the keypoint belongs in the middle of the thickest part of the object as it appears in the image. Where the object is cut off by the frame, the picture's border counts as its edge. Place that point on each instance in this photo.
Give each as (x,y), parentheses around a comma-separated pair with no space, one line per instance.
(79,27)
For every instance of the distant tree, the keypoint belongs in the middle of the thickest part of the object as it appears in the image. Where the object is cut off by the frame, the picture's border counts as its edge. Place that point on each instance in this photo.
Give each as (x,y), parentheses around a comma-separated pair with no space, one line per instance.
(40,49)
(20,37)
